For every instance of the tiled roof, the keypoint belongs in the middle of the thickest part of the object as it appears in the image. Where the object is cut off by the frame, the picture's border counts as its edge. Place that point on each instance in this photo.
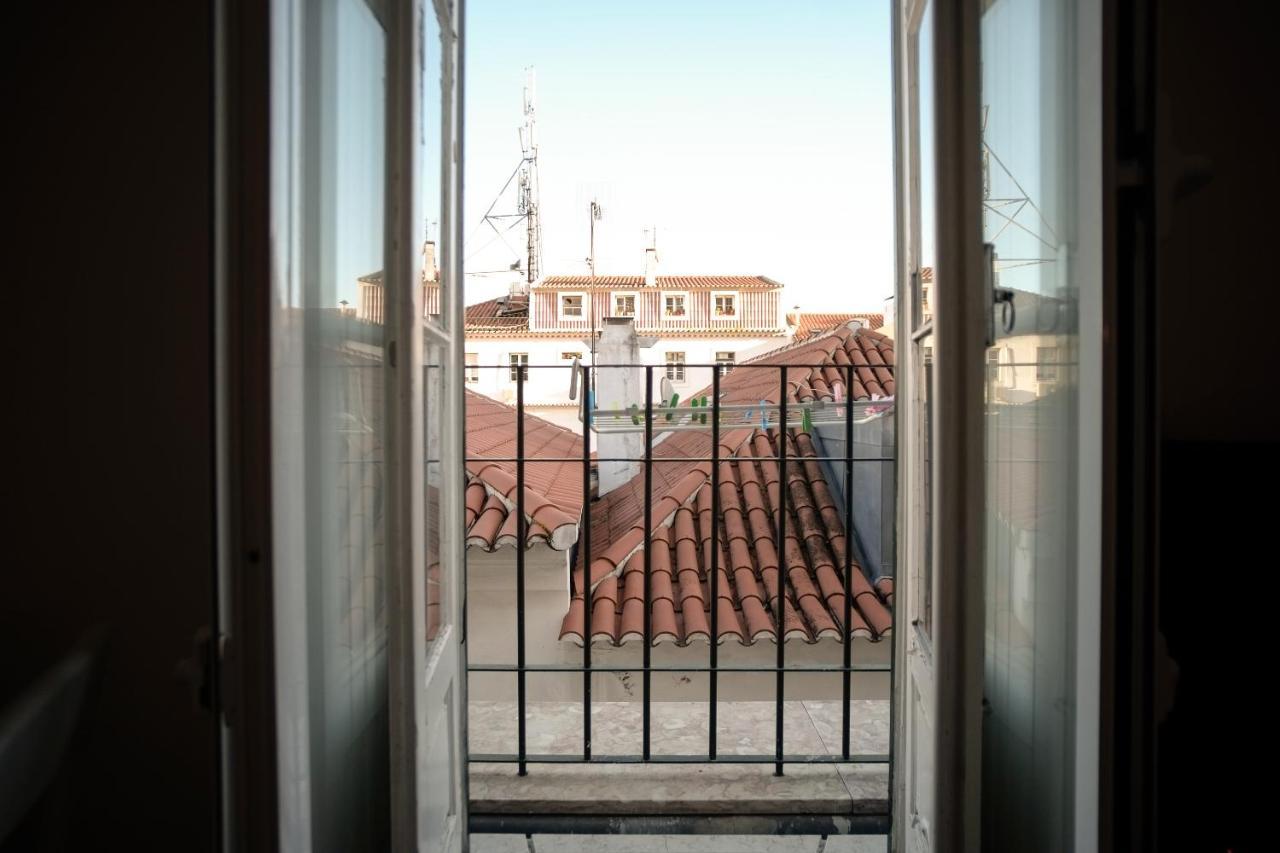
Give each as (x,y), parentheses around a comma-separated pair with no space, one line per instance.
(815,546)
(553,490)
(504,314)
(812,323)
(664,282)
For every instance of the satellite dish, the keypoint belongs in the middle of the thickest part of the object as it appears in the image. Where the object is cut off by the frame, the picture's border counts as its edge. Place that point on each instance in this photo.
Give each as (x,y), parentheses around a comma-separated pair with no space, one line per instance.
(666,389)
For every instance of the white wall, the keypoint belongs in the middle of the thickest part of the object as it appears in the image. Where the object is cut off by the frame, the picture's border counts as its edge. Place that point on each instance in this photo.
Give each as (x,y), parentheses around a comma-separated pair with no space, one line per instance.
(552,386)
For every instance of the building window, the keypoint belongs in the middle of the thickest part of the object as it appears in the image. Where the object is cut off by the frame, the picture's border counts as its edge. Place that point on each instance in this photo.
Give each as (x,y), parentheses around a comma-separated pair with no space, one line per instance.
(725,359)
(675,366)
(724,306)
(673,305)
(993,364)
(570,356)
(473,367)
(624,305)
(519,365)
(571,306)
(1046,364)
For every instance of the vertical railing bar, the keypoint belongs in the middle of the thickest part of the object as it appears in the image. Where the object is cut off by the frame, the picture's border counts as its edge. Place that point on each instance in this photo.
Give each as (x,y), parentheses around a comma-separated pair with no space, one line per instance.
(521,533)
(648,544)
(715,558)
(846,687)
(585,549)
(782,559)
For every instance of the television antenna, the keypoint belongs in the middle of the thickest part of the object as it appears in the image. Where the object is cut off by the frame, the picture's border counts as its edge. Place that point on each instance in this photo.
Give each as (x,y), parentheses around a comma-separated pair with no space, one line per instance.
(527,206)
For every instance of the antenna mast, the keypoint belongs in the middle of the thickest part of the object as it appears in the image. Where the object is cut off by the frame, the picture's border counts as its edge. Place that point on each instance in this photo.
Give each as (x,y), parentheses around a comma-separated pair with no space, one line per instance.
(592,218)
(528,188)
(525,178)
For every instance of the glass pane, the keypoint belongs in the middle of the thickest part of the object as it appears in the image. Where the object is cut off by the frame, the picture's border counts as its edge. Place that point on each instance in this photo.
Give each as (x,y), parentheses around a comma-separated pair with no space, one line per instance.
(1031,427)
(924,588)
(328,432)
(926,260)
(434,385)
(435,290)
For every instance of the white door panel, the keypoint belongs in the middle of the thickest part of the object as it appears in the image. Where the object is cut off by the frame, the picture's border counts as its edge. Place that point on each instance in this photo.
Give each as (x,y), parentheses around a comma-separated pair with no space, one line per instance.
(940,330)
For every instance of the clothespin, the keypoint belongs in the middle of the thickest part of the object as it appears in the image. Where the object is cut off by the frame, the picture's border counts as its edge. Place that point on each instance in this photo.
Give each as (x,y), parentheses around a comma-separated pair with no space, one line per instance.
(764,415)
(806,421)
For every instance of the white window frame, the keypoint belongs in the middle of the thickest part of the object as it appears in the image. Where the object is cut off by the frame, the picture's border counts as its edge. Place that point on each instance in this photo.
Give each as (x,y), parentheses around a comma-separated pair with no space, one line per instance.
(674,366)
(561,297)
(737,302)
(472,368)
(613,303)
(671,294)
(1047,369)
(513,366)
(725,360)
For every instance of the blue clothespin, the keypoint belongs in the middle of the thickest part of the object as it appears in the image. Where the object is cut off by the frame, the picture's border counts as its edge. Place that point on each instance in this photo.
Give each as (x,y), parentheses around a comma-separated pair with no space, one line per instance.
(764,416)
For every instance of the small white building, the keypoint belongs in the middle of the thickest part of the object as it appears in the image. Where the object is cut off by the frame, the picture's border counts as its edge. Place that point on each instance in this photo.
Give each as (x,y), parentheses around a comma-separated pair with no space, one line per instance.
(680,320)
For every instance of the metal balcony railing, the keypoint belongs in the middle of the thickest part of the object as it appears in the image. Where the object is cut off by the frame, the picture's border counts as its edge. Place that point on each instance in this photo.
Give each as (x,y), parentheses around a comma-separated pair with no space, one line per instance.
(651,418)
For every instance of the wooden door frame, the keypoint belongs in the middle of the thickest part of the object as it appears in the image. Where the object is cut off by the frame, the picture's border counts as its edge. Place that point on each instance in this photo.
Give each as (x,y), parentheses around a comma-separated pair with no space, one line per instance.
(245,679)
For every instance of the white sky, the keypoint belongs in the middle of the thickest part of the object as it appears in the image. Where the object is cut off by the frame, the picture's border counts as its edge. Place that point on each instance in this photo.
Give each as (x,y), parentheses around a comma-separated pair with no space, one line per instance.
(756,137)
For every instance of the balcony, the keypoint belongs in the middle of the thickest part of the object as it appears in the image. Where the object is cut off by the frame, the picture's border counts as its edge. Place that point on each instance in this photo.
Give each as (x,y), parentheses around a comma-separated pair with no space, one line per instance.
(597,694)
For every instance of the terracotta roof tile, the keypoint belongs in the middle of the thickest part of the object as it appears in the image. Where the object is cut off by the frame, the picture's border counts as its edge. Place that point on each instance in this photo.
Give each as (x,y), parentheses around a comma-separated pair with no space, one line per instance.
(676,282)
(503,314)
(748,563)
(553,490)
(812,323)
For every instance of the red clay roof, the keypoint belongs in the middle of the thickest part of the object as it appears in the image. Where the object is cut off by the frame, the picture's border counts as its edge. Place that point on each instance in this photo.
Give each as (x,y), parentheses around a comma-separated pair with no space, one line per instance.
(664,282)
(506,313)
(553,490)
(813,323)
(814,550)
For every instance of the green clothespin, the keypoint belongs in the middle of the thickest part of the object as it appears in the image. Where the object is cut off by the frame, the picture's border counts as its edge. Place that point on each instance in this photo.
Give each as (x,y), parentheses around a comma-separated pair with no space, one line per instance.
(634,410)
(704,410)
(675,401)
(806,422)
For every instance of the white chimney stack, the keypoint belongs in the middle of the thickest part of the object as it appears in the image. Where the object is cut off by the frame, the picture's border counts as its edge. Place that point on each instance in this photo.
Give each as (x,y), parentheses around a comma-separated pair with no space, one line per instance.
(651,267)
(618,388)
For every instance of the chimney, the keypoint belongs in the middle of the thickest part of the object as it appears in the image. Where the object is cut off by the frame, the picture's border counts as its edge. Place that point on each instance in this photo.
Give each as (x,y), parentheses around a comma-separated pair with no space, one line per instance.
(618,388)
(430,272)
(650,267)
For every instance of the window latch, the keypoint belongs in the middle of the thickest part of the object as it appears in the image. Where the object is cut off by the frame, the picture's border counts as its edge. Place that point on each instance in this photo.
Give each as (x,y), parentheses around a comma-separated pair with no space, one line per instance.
(998,297)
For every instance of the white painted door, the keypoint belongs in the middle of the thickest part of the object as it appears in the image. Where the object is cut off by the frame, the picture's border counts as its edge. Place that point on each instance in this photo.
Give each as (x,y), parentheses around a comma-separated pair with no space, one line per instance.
(914,812)
(365,426)
(434,235)
(938,692)
(1041,213)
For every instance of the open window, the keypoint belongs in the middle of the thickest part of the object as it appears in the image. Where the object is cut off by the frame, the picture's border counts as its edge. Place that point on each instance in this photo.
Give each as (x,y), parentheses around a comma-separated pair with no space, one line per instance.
(674,306)
(724,305)
(624,305)
(572,306)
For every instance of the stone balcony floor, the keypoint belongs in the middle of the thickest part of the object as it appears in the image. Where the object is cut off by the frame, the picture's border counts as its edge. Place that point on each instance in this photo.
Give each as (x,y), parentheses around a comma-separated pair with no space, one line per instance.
(679,728)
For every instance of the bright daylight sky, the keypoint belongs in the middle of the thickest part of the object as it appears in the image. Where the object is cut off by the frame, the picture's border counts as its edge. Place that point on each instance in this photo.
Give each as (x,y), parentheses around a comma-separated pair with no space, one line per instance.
(756,136)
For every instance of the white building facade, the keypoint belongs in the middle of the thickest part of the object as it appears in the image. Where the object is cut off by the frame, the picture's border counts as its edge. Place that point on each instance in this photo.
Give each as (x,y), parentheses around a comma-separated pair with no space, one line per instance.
(681,321)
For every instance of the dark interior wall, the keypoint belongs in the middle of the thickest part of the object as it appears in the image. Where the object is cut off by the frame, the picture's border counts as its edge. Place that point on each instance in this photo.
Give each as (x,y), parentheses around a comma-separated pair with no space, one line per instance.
(107,470)
(1216,325)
